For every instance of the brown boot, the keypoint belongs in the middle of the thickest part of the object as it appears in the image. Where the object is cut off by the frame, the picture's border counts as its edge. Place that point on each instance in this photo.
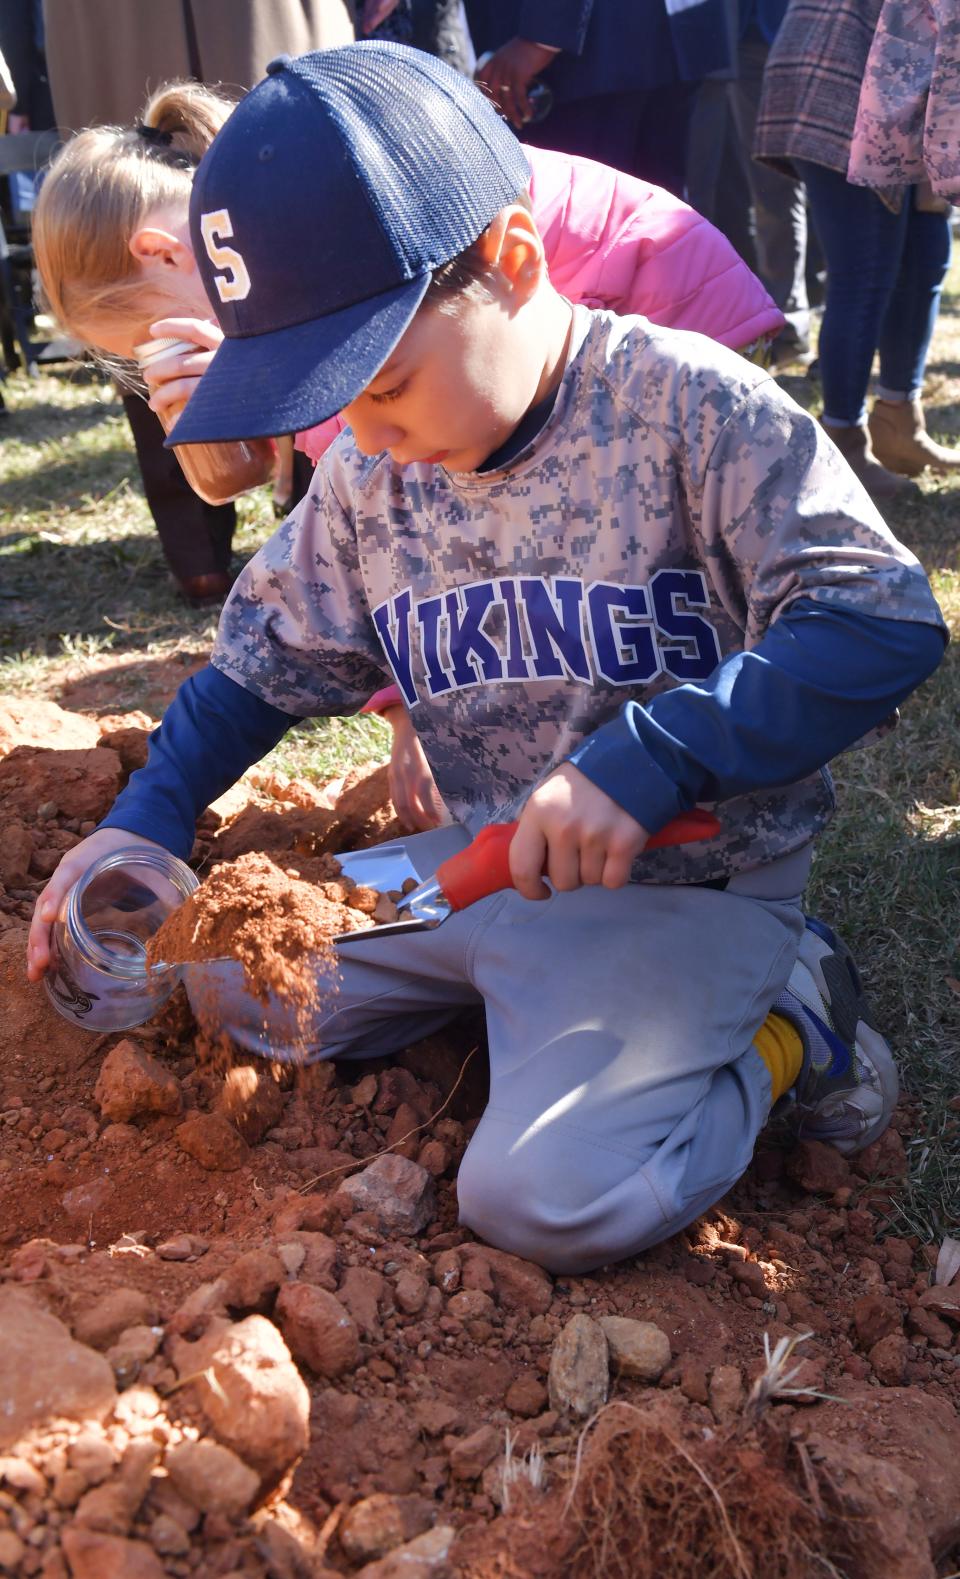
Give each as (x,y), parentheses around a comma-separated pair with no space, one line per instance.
(854,445)
(902,443)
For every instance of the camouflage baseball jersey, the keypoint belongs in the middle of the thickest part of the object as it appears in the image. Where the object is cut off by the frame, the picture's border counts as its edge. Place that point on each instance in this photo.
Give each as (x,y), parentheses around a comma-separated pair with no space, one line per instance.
(675,502)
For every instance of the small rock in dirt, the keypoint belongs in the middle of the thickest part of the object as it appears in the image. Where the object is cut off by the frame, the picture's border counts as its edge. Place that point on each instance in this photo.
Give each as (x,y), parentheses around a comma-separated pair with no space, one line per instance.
(84,1201)
(637,1348)
(182,1247)
(252,1101)
(16,851)
(817,1167)
(320,1332)
(943,1301)
(113,1505)
(168,1537)
(132,1082)
(134,1347)
(888,1357)
(410,1291)
(212,1478)
(92,1456)
(102,1322)
(12,1551)
(726,1392)
(400,1193)
(470,1457)
(93,1555)
(886,1158)
(520,1285)
(751,1275)
(926,1324)
(251,1392)
(874,1316)
(378,1524)
(22,1476)
(44,1373)
(213,1142)
(526,1397)
(579,1378)
(425,1557)
(251,1283)
(694,1382)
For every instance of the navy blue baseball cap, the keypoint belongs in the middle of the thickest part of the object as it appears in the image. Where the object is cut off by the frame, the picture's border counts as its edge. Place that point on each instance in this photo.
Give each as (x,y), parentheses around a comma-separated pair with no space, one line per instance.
(318,215)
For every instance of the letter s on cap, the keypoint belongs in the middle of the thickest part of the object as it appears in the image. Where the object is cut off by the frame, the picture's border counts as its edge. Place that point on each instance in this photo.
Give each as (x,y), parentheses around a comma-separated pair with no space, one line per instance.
(233,285)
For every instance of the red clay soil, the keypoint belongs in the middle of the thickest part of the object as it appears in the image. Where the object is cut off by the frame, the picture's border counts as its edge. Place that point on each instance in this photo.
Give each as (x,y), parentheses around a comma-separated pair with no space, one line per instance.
(257,1346)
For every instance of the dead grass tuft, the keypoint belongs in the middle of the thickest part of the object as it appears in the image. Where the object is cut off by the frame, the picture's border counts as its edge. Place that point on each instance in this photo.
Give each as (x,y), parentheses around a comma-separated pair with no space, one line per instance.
(647,1500)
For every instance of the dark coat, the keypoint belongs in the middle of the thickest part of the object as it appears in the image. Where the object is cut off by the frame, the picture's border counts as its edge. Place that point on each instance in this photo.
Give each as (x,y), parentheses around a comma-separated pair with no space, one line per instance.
(105,57)
(608,46)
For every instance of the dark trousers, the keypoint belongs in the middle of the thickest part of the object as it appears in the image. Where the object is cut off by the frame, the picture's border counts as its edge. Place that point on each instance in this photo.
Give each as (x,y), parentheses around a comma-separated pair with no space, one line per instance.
(195,537)
(885,272)
(644,134)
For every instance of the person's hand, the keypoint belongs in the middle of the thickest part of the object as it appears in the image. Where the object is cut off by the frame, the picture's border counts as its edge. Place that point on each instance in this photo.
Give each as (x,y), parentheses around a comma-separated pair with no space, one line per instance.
(507,75)
(171,379)
(73,866)
(572,832)
(374,12)
(412,789)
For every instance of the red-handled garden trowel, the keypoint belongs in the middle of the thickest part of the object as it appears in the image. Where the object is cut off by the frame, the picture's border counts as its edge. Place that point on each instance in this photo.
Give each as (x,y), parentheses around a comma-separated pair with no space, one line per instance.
(483,868)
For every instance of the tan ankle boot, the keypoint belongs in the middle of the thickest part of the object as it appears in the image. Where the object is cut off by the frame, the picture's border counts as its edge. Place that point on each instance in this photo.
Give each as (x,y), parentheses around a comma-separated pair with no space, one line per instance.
(854,445)
(902,443)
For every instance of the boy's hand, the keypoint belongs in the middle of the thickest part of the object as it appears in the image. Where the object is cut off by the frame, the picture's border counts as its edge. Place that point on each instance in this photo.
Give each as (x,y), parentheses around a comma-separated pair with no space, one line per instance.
(71,869)
(171,379)
(412,789)
(573,833)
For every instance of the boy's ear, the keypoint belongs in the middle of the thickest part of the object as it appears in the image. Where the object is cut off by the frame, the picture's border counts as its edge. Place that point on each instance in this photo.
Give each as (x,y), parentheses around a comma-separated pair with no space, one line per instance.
(154,244)
(512,244)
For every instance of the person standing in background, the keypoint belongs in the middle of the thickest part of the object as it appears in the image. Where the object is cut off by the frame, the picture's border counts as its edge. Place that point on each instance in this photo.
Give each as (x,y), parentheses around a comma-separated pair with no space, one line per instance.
(103,56)
(622,74)
(886,256)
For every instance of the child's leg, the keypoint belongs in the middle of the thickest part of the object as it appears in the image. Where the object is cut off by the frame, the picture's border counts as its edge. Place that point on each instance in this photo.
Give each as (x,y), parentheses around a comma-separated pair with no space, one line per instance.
(626,1094)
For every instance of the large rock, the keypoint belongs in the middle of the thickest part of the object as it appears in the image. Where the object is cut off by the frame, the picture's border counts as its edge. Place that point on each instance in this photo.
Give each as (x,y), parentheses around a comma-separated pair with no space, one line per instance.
(81,784)
(251,1393)
(579,1368)
(44,1374)
(520,1285)
(131,1082)
(399,1193)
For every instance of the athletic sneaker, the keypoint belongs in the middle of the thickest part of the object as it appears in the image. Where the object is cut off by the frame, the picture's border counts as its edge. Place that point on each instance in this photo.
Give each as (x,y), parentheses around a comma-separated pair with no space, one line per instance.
(847,1088)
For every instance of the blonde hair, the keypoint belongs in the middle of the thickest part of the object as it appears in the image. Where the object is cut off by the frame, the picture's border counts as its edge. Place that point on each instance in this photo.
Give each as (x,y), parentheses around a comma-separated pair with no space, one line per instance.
(102,186)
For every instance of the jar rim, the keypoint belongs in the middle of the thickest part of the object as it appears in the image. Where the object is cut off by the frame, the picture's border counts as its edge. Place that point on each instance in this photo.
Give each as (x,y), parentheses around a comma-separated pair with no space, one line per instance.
(175,870)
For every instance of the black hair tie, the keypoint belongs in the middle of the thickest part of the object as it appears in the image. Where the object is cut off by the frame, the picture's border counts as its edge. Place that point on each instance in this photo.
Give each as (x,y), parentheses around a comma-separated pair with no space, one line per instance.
(153,134)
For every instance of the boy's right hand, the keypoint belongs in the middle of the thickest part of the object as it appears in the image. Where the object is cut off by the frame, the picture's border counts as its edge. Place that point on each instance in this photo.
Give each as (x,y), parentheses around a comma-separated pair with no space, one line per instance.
(73,866)
(413,791)
(171,379)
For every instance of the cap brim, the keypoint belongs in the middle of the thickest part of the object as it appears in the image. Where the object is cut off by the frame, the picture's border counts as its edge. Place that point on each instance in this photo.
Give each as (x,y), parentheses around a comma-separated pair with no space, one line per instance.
(293,378)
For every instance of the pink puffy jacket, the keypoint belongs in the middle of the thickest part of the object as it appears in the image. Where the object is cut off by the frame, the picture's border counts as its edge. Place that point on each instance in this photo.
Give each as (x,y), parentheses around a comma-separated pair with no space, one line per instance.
(615,241)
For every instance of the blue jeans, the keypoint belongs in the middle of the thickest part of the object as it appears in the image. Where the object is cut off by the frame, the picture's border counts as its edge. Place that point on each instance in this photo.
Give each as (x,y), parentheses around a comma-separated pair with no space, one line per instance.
(885,272)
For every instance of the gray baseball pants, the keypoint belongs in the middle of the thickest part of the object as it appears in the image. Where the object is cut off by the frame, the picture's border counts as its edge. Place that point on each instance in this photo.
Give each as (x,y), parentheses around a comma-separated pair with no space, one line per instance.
(625,1094)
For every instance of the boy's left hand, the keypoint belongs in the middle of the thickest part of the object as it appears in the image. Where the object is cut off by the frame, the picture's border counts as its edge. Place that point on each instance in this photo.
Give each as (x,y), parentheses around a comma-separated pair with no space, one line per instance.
(573,833)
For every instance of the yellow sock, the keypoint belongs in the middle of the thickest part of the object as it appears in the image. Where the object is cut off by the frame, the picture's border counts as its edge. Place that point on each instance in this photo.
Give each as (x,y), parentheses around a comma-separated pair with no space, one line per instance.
(781,1048)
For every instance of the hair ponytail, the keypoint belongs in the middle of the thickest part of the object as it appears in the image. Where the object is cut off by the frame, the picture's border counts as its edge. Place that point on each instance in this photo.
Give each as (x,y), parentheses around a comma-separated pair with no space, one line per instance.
(102,186)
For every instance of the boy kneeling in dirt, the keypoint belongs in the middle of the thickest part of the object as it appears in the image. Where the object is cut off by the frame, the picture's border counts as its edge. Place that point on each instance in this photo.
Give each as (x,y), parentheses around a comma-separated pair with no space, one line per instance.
(616,573)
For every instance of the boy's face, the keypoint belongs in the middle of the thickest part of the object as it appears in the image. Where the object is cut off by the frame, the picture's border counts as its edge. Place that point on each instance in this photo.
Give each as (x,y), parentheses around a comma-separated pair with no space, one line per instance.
(454,388)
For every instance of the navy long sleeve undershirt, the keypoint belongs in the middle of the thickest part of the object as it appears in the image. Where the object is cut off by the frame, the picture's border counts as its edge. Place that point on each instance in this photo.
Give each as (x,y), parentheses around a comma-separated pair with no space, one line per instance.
(819,680)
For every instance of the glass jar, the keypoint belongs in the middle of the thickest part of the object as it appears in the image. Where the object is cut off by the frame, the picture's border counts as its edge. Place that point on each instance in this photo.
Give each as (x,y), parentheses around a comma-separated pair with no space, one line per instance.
(98,975)
(217,472)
